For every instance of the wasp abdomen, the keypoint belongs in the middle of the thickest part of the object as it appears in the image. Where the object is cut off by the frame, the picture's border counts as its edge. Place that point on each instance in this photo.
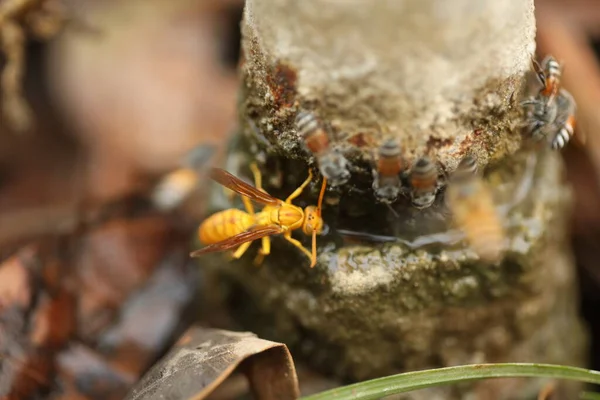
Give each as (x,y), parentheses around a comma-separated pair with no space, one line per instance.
(223,225)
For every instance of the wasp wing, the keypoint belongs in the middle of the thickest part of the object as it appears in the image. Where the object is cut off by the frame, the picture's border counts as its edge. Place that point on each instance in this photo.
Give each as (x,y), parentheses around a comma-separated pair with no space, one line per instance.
(239,186)
(234,241)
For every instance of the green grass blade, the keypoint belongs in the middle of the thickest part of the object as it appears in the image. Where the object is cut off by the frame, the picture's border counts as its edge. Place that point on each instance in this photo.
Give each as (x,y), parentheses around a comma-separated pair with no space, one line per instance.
(377,388)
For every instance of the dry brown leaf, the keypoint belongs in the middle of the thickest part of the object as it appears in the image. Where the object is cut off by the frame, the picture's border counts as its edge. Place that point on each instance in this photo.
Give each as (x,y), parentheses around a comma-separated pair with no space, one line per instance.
(203,358)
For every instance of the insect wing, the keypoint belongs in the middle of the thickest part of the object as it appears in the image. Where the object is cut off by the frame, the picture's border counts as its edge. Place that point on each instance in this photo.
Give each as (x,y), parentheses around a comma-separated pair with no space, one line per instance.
(239,186)
(539,71)
(234,241)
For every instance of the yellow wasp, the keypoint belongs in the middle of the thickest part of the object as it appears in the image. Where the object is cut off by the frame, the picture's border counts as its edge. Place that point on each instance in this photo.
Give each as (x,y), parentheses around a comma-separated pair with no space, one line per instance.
(231,228)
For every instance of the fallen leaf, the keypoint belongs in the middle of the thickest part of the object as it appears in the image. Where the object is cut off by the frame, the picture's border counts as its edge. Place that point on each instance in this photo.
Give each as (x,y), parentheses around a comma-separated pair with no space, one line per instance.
(203,358)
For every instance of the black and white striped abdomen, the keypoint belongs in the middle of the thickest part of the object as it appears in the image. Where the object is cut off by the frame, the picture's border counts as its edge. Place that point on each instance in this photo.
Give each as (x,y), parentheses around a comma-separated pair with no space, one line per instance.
(563,136)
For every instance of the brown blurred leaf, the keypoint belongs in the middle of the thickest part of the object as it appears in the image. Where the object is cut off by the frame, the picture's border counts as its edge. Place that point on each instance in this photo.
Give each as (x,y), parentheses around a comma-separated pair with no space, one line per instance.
(15,285)
(151,318)
(24,369)
(53,321)
(203,358)
(115,259)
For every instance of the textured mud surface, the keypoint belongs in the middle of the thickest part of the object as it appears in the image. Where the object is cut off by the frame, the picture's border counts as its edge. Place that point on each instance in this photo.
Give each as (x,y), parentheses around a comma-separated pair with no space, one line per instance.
(396,288)
(437,102)
(377,304)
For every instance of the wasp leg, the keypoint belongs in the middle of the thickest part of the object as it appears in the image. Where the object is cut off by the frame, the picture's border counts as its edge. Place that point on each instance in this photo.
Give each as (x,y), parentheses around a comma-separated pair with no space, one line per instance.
(265,250)
(14,106)
(248,205)
(298,191)
(257,183)
(241,250)
(289,238)
(257,176)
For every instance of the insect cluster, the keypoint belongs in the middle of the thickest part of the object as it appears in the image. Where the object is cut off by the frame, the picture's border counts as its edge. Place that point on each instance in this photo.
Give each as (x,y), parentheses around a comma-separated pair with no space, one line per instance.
(424,176)
(467,198)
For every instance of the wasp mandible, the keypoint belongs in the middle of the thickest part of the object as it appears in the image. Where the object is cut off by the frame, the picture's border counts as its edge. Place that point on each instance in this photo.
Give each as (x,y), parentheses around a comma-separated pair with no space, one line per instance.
(236,228)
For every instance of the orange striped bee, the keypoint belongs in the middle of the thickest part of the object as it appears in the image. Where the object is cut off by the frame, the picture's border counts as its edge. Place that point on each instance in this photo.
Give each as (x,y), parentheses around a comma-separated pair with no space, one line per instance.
(551,113)
(386,179)
(332,164)
(470,201)
(423,180)
(549,76)
(232,228)
(175,187)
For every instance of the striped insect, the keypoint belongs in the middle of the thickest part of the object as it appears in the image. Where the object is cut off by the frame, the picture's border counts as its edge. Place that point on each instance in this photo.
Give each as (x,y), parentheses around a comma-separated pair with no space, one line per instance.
(175,187)
(332,164)
(550,114)
(232,228)
(423,180)
(470,201)
(548,73)
(386,178)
